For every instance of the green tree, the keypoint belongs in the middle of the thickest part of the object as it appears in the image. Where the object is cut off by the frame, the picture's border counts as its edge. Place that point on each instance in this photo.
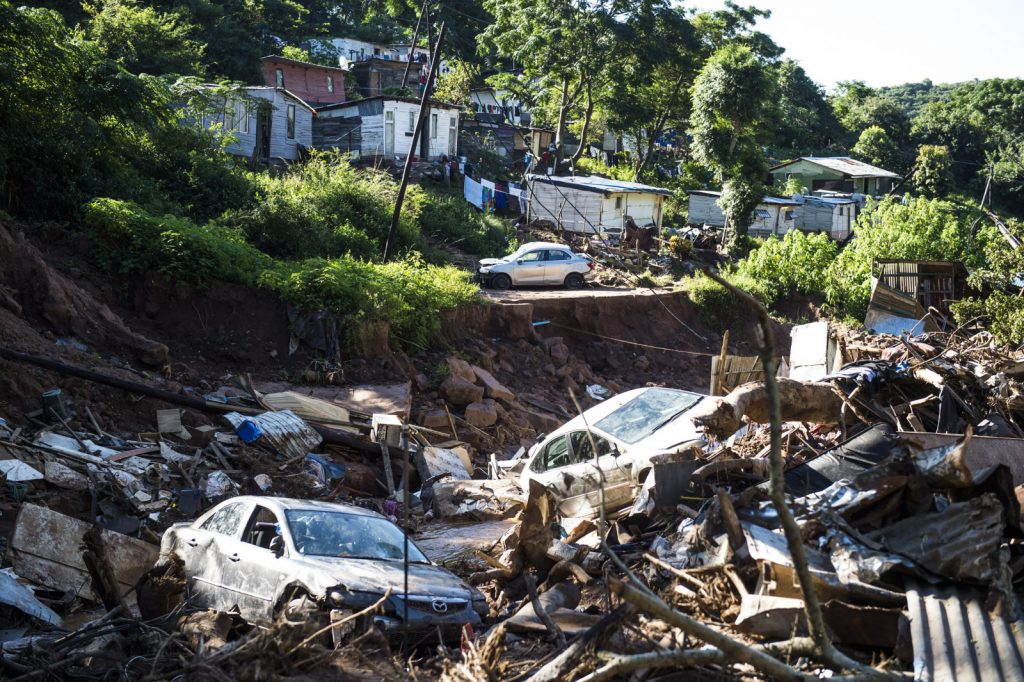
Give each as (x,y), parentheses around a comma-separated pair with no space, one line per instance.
(561,47)
(455,85)
(933,170)
(729,98)
(144,39)
(876,147)
(923,229)
(801,121)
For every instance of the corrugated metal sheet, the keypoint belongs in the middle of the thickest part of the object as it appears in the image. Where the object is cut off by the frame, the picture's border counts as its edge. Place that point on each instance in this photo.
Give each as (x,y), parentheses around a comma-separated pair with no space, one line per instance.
(955,639)
(843,164)
(283,432)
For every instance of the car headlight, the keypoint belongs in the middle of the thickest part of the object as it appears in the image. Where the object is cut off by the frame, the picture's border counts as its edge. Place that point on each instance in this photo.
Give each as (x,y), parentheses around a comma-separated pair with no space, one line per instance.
(485,270)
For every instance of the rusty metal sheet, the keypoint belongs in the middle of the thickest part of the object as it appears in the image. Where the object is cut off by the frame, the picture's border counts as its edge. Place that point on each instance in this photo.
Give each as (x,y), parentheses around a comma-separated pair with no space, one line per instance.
(955,639)
(982,451)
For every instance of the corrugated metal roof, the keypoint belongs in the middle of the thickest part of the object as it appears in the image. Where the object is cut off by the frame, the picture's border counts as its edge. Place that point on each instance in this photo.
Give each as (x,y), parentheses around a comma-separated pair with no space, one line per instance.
(593,183)
(772,201)
(843,164)
(955,639)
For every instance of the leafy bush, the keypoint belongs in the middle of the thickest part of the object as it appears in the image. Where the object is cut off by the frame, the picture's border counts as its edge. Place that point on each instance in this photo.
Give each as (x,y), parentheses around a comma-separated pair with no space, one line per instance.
(326,207)
(797,263)
(448,218)
(716,305)
(918,229)
(409,294)
(134,242)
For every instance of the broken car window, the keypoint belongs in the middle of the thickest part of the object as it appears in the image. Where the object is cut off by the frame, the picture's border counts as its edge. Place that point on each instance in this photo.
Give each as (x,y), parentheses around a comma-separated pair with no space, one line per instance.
(225,521)
(556,454)
(533,257)
(263,526)
(646,413)
(581,446)
(353,536)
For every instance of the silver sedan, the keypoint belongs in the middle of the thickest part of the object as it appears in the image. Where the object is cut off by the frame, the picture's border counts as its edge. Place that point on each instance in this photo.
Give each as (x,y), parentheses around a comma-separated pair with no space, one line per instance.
(317,560)
(536,264)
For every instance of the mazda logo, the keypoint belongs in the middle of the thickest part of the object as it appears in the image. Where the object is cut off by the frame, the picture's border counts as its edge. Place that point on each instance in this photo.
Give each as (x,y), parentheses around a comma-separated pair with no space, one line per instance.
(439,606)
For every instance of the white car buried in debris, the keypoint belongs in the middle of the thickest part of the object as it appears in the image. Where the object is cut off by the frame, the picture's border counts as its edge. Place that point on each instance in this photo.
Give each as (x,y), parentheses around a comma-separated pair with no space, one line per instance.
(628,430)
(536,264)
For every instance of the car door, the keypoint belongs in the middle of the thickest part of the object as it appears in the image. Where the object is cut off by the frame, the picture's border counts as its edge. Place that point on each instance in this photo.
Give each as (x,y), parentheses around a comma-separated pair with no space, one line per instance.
(557,266)
(199,548)
(252,572)
(566,466)
(530,267)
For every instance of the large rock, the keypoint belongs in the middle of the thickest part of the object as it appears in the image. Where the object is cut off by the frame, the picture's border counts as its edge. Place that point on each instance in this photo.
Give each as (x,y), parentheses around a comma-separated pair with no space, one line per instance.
(492,387)
(559,353)
(457,367)
(458,391)
(481,414)
(542,422)
(433,419)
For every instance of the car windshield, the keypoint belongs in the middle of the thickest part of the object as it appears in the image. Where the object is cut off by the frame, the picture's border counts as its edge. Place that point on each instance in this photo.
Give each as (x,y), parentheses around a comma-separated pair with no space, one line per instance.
(646,413)
(518,253)
(353,536)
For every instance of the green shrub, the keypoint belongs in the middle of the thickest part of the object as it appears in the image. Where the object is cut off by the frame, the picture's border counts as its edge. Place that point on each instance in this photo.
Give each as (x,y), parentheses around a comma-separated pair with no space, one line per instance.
(326,208)
(918,229)
(134,242)
(409,294)
(718,307)
(797,263)
(449,219)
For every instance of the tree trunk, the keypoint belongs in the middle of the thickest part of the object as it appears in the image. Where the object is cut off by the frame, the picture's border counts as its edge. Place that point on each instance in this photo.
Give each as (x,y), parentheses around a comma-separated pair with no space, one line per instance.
(563,112)
(587,115)
(659,127)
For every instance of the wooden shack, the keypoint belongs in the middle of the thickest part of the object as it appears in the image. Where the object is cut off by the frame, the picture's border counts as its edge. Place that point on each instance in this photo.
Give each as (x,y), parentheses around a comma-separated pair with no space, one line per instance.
(383,127)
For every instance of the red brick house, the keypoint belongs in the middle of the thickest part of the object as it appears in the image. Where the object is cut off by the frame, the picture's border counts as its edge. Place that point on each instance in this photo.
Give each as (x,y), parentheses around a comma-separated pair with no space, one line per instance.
(315,84)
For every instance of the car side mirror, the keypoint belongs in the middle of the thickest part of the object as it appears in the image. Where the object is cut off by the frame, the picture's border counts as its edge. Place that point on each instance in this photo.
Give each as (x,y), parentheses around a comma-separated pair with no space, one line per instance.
(519,260)
(277,546)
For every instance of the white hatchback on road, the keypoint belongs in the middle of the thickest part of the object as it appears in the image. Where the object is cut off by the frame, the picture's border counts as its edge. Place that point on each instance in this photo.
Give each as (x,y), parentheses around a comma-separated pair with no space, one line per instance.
(536,264)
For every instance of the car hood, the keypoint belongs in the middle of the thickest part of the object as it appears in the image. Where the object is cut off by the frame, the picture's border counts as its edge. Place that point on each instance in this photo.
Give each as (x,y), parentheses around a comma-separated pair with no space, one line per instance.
(484,262)
(376,575)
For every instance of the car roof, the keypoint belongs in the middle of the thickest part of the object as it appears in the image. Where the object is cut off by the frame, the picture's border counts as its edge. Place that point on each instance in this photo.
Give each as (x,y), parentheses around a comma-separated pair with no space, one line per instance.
(605,408)
(545,245)
(283,504)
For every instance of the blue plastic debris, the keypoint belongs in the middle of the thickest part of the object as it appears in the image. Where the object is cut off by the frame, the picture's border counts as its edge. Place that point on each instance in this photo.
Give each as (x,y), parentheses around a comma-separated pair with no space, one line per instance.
(249,431)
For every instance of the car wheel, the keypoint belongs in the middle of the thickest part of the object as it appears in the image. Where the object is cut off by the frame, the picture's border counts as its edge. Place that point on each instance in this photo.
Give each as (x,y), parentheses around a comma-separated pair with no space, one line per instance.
(574,281)
(501,282)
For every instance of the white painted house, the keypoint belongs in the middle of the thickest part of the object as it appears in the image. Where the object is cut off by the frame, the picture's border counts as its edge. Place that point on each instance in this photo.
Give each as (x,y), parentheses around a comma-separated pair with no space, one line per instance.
(383,127)
(501,104)
(267,124)
(594,204)
(778,215)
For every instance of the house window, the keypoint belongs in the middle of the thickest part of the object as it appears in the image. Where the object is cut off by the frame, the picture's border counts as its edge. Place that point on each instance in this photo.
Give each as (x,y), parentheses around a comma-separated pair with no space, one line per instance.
(762,214)
(279,77)
(412,121)
(242,117)
(433,125)
(618,203)
(330,84)
(291,121)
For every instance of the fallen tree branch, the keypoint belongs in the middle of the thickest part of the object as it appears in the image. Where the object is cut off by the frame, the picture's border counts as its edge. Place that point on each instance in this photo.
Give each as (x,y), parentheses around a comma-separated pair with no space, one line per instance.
(676,658)
(542,613)
(801,401)
(560,667)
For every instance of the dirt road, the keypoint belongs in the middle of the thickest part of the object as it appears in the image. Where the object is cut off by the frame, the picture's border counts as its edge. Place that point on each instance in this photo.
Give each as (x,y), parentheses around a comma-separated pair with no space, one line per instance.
(526,295)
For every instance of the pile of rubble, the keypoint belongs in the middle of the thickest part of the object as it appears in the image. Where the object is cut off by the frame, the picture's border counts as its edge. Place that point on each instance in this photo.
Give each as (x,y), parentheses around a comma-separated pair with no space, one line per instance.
(899,540)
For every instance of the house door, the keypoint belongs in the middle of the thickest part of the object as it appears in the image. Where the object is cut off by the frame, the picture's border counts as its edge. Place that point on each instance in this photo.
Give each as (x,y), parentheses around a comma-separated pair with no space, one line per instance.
(453,136)
(426,132)
(389,133)
(263,119)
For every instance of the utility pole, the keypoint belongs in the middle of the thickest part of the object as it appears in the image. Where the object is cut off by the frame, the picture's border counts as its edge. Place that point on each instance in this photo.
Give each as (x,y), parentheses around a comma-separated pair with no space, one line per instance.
(415,37)
(435,58)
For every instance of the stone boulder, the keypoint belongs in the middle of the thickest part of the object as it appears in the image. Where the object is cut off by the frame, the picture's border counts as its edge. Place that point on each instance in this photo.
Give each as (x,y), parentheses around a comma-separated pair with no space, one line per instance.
(481,414)
(492,387)
(458,391)
(457,367)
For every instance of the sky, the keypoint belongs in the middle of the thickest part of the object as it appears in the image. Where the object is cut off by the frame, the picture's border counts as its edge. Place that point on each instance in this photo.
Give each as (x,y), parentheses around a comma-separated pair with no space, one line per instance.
(888,42)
